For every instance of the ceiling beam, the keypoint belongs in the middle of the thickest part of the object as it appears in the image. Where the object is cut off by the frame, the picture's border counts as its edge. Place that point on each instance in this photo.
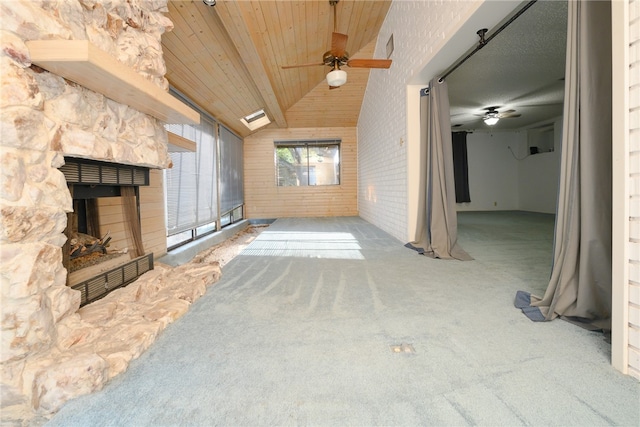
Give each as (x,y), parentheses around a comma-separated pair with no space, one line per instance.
(231,16)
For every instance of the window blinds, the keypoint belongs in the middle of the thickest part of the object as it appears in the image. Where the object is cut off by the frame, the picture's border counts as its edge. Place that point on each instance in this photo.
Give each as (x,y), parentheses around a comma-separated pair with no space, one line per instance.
(231,171)
(191,183)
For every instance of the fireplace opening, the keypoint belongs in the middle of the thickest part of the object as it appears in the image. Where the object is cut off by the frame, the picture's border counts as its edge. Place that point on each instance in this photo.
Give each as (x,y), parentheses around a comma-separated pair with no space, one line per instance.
(88,244)
(104,248)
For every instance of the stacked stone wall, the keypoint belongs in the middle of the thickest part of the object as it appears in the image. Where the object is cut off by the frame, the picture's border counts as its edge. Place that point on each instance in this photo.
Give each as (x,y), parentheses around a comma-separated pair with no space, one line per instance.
(43,118)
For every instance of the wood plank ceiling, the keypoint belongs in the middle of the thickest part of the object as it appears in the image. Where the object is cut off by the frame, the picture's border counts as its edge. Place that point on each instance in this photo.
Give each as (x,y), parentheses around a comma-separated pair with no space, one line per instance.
(227,58)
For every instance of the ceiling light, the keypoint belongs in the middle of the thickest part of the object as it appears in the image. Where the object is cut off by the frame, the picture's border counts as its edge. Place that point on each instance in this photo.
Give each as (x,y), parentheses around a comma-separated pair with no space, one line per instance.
(336,78)
(491,118)
(209,2)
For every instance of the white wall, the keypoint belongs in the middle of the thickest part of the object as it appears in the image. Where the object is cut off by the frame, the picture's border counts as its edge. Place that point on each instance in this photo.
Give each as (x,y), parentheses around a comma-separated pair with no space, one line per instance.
(493,170)
(419,29)
(538,177)
(500,179)
(429,36)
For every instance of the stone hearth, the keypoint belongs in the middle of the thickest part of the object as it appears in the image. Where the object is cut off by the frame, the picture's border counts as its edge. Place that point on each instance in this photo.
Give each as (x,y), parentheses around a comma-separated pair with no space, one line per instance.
(51,351)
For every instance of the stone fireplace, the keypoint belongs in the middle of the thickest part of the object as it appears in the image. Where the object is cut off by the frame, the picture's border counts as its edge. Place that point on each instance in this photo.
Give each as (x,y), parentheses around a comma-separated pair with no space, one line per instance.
(52,351)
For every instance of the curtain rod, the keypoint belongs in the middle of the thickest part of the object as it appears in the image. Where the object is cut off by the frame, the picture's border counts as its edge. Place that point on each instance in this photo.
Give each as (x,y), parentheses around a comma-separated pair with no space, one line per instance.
(484,42)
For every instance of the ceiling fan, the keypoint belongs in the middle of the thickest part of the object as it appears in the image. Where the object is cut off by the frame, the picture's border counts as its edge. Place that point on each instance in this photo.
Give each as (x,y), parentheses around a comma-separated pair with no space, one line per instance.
(338,57)
(492,115)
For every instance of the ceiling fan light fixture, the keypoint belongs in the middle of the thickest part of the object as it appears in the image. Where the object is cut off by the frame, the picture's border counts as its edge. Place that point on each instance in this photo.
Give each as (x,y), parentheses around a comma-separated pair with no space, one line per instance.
(336,77)
(491,118)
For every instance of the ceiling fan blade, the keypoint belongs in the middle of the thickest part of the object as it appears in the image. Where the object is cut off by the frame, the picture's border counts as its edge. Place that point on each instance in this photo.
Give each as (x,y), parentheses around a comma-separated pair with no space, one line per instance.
(508,116)
(338,44)
(284,67)
(333,87)
(369,63)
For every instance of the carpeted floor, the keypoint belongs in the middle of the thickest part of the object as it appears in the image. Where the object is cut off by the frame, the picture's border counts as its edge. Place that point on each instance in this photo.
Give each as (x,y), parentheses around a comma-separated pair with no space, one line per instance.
(300,331)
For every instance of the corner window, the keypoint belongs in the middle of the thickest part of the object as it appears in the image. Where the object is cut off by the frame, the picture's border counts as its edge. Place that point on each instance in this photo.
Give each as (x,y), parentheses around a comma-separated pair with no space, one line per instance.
(303,163)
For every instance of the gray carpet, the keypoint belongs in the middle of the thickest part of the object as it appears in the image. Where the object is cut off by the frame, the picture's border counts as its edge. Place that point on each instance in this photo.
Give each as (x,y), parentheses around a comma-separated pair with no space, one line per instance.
(299,332)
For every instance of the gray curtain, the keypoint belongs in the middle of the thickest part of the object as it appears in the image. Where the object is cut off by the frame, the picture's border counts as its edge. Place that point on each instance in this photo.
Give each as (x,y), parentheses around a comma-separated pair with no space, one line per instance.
(437,228)
(580,285)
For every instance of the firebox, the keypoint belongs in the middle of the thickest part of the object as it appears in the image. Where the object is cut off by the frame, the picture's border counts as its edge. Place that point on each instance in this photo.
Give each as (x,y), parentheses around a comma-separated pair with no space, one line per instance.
(104,249)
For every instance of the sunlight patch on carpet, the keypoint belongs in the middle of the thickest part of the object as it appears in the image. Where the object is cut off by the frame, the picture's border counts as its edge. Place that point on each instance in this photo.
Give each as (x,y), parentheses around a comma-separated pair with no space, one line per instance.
(329,245)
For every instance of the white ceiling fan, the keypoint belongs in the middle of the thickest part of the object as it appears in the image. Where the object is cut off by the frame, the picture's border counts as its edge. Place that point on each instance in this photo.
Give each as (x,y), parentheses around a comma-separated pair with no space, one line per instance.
(492,115)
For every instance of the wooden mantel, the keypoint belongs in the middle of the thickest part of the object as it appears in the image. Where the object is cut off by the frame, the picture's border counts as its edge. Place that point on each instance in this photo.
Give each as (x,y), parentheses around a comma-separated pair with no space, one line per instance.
(85,64)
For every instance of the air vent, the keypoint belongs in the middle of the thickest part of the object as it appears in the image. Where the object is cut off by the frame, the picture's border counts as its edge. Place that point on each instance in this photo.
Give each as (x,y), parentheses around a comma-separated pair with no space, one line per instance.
(110,176)
(80,171)
(130,271)
(99,286)
(114,279)
(90,174)
(96,286)
(71,172)
(140,176)
(390,46)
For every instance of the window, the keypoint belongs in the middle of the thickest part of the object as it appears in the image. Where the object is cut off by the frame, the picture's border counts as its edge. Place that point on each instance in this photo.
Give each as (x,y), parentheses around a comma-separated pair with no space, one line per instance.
(231,172)
(204,189)
(190,185)
(303,163)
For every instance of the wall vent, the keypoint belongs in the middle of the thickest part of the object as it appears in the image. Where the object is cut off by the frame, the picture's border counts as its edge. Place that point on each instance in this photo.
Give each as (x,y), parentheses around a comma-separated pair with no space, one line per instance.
(100,285)
(82,171)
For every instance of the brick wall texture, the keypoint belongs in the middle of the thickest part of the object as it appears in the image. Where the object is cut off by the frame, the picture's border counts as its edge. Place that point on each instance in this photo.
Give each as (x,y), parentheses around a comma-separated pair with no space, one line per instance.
(418,28)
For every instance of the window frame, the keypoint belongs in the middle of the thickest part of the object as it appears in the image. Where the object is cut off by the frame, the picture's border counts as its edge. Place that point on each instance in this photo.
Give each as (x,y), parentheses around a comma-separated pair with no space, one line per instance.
(307,144)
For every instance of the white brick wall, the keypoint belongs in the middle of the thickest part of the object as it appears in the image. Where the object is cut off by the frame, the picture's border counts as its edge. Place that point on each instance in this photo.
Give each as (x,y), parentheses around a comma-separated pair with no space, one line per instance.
(418,27)
(634,188)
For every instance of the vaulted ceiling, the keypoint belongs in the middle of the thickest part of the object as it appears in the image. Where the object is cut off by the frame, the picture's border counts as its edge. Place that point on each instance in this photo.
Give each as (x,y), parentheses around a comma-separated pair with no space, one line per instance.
(228,58)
